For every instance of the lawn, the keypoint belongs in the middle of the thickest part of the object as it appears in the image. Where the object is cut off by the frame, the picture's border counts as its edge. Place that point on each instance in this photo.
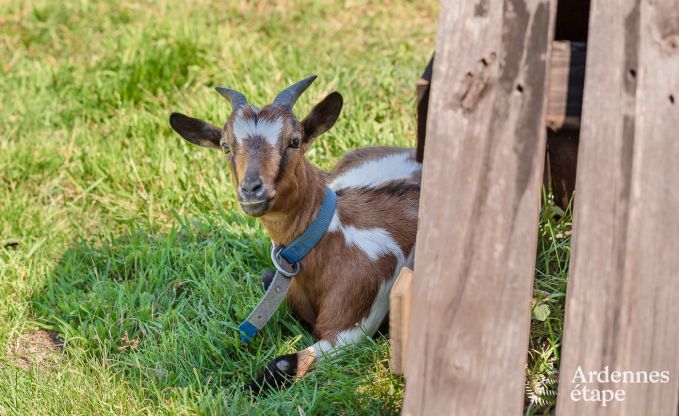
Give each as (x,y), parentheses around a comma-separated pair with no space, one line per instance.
(125,264)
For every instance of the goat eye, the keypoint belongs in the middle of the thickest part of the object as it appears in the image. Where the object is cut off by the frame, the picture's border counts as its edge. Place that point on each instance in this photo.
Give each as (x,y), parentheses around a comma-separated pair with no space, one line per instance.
(294,143)
(226,148)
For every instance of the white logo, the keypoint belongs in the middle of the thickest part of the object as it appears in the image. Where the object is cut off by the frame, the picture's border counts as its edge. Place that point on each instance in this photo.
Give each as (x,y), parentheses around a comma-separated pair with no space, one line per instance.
(582,392)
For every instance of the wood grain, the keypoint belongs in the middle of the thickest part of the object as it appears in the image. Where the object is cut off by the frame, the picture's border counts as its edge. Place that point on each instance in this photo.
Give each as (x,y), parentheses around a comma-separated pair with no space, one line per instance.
(400,300)
(564,106)
(474,266)
(623,296)
(566,80)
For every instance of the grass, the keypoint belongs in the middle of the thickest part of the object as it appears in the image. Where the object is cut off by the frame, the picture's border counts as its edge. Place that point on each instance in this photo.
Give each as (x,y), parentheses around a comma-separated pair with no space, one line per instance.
(127,242)
(548,308)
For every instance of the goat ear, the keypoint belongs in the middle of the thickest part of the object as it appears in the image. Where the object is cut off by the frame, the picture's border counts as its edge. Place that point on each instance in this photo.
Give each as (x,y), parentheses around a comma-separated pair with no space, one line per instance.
(196,131)
(323,116)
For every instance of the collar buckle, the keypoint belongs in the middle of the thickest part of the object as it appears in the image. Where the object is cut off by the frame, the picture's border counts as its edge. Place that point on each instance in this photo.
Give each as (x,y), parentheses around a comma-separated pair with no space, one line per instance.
(284,267)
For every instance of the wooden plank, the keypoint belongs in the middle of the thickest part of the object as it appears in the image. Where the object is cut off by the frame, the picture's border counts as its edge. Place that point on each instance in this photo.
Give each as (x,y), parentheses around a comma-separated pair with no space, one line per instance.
(399,313)
(564,107)
(423,87)
(566,80)
(470,316)
(623,293)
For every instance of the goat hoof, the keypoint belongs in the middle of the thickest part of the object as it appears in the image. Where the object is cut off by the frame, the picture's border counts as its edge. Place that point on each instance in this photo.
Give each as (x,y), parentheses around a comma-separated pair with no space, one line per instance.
(267,278)
(278,374)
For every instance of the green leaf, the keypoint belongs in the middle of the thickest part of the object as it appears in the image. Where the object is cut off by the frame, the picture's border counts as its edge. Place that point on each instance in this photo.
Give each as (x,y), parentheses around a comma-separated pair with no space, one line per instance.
(541,312)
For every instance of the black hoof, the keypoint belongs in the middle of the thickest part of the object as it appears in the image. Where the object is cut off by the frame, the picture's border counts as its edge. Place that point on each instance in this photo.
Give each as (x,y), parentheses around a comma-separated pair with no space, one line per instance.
(267,278)
(278,374)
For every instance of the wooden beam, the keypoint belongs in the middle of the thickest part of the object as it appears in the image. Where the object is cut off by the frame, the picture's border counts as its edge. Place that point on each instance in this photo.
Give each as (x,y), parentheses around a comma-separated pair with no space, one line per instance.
(564,107)
(622,306)
(399,313)
(566,82)
(470,317)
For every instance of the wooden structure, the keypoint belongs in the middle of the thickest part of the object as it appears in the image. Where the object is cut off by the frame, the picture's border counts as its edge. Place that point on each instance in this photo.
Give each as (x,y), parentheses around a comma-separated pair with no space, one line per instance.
(623,297)
(399,314)
(500,76)
(564,106)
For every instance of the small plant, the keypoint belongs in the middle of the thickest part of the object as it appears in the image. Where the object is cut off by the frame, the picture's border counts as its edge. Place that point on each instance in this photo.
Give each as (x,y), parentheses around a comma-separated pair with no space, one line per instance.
(548,305)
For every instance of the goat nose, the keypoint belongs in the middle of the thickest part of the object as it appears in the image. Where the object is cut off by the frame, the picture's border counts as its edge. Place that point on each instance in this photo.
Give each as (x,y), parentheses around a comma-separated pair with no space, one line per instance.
(251,185)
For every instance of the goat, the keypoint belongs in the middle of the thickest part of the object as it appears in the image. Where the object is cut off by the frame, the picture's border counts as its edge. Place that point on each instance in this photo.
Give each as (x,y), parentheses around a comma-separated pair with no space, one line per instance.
(342,290)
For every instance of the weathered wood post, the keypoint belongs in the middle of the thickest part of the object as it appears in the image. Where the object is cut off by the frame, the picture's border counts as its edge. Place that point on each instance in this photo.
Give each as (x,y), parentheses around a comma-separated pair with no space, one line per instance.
(474,266)
(622,309)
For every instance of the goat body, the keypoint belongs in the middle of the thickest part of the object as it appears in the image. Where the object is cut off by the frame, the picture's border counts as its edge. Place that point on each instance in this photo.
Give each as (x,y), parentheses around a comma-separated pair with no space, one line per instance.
(343,288)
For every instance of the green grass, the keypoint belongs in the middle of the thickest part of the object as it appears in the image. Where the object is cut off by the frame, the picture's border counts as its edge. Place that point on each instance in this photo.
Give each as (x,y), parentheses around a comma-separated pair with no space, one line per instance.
(127,241)
(549,296)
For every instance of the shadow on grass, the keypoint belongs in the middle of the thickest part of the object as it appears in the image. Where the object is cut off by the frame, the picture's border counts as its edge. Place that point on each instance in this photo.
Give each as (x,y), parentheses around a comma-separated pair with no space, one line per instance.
(163,307)
(161,311)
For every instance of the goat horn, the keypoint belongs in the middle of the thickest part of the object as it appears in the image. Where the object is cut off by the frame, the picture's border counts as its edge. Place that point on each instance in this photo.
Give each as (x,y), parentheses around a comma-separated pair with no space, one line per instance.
(236,99)
(288,96)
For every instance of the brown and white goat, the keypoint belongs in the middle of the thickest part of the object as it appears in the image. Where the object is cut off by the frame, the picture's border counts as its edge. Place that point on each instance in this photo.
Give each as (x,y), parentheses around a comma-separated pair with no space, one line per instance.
(343,288)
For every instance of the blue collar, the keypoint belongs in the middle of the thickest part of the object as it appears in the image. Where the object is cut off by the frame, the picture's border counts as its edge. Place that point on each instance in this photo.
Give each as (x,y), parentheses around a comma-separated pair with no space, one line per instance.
(303,244)
(286,260)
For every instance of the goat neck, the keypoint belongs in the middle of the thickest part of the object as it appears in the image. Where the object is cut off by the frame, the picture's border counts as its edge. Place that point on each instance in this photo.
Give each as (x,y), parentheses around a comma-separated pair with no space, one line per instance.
(302,202)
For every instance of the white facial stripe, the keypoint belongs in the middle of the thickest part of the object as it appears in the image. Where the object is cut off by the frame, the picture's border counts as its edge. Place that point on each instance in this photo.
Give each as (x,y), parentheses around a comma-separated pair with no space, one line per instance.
(374,173)
(244,127)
